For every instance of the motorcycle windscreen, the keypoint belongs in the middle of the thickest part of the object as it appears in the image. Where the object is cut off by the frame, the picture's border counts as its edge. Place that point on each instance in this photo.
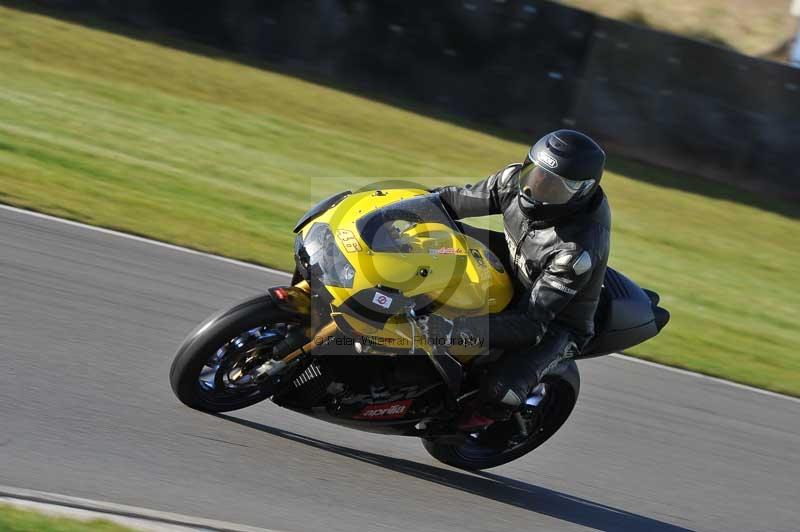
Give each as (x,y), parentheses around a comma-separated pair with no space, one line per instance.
(415,225)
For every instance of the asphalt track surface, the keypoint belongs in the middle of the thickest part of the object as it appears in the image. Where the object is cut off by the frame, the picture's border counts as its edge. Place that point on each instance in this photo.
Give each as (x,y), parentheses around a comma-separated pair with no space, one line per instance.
(89,322)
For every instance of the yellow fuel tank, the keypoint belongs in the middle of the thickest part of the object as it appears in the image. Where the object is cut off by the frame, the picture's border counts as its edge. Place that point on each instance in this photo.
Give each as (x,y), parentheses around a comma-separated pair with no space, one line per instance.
(379,252)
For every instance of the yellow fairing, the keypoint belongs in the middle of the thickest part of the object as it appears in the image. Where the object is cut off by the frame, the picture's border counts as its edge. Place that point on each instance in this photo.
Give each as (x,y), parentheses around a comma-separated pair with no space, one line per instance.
(426,258)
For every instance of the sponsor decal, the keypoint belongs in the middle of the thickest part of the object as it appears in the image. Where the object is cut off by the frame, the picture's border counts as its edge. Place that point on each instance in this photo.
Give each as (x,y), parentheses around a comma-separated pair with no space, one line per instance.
(521,265)
(558,285)
(393,410)
(446,251)
(382,300)
(547,159)
(512,246)
(348,240)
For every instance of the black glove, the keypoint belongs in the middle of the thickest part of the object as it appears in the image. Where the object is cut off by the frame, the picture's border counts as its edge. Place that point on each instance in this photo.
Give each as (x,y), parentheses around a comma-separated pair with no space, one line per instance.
(436,329)
(441,332)
(464,334)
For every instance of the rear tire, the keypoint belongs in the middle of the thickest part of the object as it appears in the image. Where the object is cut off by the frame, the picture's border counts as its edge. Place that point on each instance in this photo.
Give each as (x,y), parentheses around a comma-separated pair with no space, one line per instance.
(471,455)
(202,344)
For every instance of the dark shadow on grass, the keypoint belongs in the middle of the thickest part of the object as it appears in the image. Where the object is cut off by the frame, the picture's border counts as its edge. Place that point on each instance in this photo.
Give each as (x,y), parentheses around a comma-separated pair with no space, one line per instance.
(490,486)
(674,179)
(176,39)
(640,171)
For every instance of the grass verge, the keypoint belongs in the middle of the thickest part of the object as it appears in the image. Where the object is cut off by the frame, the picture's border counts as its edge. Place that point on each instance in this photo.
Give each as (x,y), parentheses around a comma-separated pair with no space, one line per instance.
(16,520)
(218,156)
(750,26)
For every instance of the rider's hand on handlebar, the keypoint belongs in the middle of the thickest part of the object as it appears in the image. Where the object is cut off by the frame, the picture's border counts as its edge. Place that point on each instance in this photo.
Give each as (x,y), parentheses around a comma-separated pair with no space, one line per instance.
(436,329)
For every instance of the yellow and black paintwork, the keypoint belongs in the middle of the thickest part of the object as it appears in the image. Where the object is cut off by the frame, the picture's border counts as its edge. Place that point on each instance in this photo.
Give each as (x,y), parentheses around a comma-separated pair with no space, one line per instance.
(438,265)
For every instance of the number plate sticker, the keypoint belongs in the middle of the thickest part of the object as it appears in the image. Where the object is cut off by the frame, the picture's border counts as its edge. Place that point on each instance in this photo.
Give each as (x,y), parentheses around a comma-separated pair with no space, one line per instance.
(382,300)
(348,240)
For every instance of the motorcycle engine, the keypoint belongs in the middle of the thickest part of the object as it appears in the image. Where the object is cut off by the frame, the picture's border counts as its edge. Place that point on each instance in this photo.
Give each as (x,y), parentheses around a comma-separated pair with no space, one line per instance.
(356,386)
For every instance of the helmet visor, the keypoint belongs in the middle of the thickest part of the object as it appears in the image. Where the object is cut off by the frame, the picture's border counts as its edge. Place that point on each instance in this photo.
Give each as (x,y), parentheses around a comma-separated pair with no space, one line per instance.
(542,185)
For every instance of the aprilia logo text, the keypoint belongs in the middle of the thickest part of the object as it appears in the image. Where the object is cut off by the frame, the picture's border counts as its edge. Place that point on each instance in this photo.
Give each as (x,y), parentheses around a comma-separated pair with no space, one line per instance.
(385,410)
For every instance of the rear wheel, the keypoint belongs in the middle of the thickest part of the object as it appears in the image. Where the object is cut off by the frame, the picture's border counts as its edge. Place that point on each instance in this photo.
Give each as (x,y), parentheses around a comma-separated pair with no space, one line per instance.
(547,408)
(228,363)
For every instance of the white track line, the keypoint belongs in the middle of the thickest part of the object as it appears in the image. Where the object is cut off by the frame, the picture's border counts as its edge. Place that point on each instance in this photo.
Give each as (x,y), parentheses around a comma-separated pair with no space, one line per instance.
(282,273)
(706,377)
(154,517)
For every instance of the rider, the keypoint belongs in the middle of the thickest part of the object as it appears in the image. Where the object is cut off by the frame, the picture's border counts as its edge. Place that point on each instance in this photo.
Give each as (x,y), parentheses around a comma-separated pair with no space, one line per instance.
(557,226)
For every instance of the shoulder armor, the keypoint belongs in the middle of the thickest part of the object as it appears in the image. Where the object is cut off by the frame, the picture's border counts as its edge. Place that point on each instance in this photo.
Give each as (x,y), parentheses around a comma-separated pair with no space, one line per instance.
(582,264)
(507,172)
(577,260)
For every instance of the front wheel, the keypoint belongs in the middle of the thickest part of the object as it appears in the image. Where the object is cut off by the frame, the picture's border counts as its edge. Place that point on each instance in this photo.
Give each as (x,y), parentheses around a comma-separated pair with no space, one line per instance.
(547,408)
(221,365)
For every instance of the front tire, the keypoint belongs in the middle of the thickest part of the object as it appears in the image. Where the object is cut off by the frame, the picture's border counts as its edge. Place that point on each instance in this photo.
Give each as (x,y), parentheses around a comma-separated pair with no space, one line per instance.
(200,375)
(479,452)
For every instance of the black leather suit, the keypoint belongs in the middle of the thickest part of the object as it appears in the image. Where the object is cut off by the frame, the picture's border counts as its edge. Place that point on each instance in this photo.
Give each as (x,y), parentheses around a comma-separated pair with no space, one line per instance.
(559,268)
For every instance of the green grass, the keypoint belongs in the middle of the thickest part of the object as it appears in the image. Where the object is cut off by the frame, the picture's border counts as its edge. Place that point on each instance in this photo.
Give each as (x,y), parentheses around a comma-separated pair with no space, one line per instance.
(222,157)
(16,520)
(755,27)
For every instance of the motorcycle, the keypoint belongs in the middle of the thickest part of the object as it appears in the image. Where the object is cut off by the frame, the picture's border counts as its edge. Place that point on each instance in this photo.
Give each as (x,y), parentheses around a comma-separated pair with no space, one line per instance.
(343,342)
